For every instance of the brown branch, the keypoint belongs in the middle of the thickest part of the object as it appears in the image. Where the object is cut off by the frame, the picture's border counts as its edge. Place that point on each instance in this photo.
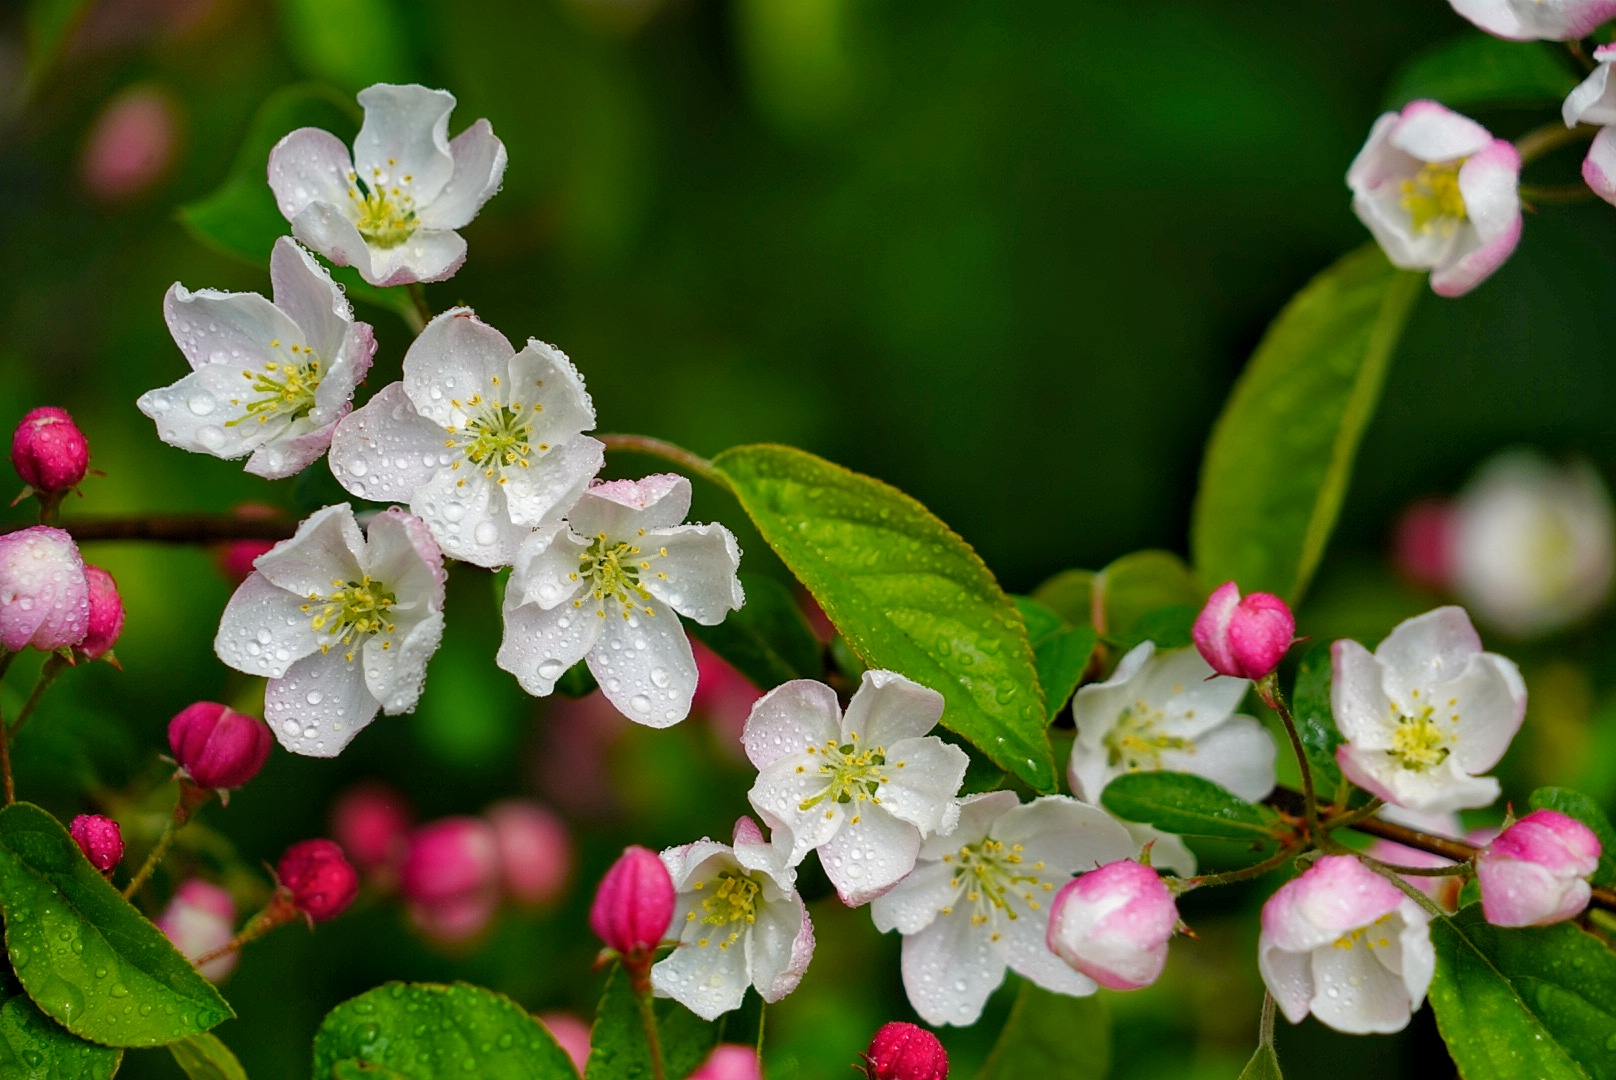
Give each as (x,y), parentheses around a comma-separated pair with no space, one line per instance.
(174,528)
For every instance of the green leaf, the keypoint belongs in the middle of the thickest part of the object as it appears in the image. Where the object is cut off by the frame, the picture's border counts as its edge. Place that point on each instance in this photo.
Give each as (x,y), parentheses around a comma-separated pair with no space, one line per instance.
(88,959)
(907,593)
(1264,1065)
(204,1057)
(617,1049)
(35,1047)
(1315,721)
(1051,1037)
(1060,650)
(1189,805)
(50,24)
(1576,804)
(240,217)
(322,35)
(1281,453)
(768,640)
(1139,585)
(1478,69)
(1069,594)
(428,1031)
(1538,1002)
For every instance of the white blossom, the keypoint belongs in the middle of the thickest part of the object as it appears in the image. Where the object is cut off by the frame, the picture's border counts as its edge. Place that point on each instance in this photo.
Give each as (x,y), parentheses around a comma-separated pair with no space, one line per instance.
(862,789)
(484,442)
(267,379)
(390,210)
(1533,20)
(341,624)
(978,900)
(739,923)
(604,586)
(1593,101)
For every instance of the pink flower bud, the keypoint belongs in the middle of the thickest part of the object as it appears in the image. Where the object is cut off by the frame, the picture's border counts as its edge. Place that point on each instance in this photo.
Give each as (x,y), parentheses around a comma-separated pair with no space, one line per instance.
(44,597)
(217,746)
(201,919)
(49,451)
(1536,871)
(730,1061)
(100,839)
(902,1051)
(1113,925)
(237,557)
(535,852)
(456,920)
(131,145)
(106,613)
(1245,638)
(450,878)
(1422,546)
(372,823)
(318,876)
(571,1034)
(634,903)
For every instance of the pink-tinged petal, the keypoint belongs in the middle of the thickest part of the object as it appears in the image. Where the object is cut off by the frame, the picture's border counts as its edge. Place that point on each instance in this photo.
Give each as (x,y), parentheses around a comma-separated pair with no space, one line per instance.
(428,255)
(622,507)
(1432,132)
(44,594)
(306,167)
(780,946)
(888,708)
(479,168)
(1025,946)
(404,140)
(285,457)
(303,289)
(357,350)
(1599,167)
(1489,182)
(1426,650)
(1211,630)
(1335,896)
(386,451)
(789,719)
(1593,101)
(320,704)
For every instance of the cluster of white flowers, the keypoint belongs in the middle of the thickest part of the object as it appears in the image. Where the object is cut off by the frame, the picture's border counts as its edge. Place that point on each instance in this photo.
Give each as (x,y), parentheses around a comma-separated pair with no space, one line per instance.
(484,443)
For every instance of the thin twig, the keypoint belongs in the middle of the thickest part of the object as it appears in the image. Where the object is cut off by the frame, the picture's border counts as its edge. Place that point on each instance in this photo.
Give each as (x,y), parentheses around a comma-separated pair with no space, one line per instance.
(653,1042)
(678,455)
(1550,137)
(53,667)
(176,528)
(5,736)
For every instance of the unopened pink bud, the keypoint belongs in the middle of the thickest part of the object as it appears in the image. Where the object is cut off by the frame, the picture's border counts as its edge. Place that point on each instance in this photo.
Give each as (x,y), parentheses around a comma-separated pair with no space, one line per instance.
(903,1051)
(1422,546)
(1536,871)
(131,145)
(217,746)
(319,879)
(450,878)
(49,451)
(372,823)
(200,919)
(44,596)
(456,920)
(535,851)
(237,557)
(730,1061)
(100,839)
(1244,637)
(634,903)
(1113,925)
(106,614)
(571,1034)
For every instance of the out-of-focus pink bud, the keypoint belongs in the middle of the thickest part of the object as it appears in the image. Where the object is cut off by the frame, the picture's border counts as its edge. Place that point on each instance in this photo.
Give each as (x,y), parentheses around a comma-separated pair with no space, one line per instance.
(217,746)
(49,451)
(1113,924)
(237,557)
(535,852)
(372,822)
(1244,637)
(131,144)
(903,1051)
(723,695)
(44,597)
(106,614)
(730,1061)
(450,878)
(320,882)
(100,839)
(634,903)
(200,919)
(1422,544)
(1536,871)
(571,1034)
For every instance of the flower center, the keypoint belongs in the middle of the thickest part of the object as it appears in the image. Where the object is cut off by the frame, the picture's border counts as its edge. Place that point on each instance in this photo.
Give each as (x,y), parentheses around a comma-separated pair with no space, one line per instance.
(852,775)
(1433,199)
(1134,743)
(283,387)
(1373,936)
(613,569)
(995,878)
(496,436)
(384,215)
(354,611)
(731,906)
(1418,743)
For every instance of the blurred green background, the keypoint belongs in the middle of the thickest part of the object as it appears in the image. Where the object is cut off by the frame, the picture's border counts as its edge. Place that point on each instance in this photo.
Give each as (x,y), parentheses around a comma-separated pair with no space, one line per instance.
(1006,256)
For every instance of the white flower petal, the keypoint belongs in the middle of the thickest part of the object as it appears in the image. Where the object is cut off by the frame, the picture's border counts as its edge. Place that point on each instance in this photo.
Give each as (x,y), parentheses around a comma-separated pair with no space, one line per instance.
(326,228)
(705,979)
(1288,977)
(307,167)
(1191,698)
(545,571)
(319,705)
(1027,952)
(455,356)
(690,862)
(623,507)
(1417,952)
(405,135)
(557,478)
(235,329)
(923,777)
(914,902)
(1599,167)
(869,854)
(542,375)
(1068,835)
(644,665)
(395,674)
(467,513)
(778,796)
(1425,650)
(304,290)
(263,630)
(950,969)
(1238,754)
(479,167)
(1363,713)
(978,814)
(385,451)
(779,947)
(789,719)
(1431,132)
(326,548)
(1353,992)
(1592,102)
(539,645)
(696,576)
(428,255)
(888,708)
(1088,770)
(196,414)
(1490,698)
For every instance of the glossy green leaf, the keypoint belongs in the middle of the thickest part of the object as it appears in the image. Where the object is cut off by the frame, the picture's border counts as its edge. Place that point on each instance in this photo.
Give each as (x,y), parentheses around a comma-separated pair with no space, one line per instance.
(906,592)
(1060,650)
(428,1031)
(617,1049)
(1281,454)
(1189,805)
(35,1047)
(1538,1002)
(768,640)
(240,218)
(1315,720)
(1264,1065)
(1140,585)
(204,1057)
(88,959)
(1576,804)
(1051,1037)
(1069,594)
(1478,69)
(322,36)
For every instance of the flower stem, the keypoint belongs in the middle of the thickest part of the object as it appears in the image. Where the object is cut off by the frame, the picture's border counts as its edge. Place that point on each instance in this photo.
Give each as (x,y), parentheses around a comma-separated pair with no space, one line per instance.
(191,798)
(1265,1026)
(54,666)
(1556,193)
(419,313)
(1244,873)
(1352,817)
(5,735)
(1268,689)
(1550,137)
(653,1041)
(678,455)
